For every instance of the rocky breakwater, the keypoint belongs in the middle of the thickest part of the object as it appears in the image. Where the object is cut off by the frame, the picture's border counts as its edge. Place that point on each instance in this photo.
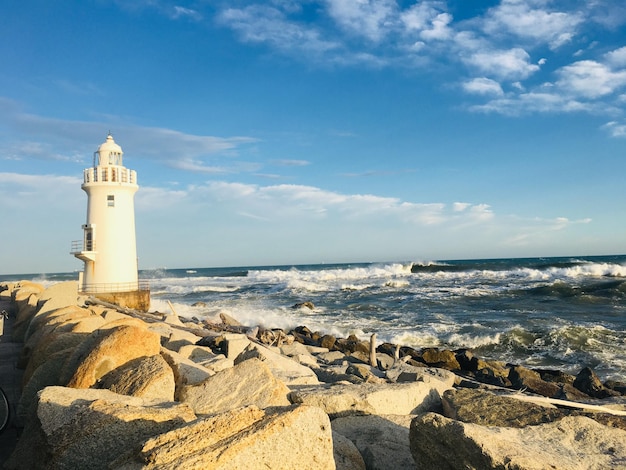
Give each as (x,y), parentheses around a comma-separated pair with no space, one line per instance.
(106,387)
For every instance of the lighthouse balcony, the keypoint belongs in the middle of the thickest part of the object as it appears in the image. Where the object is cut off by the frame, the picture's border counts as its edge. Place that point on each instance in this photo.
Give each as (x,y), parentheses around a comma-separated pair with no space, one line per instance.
(83,251)
(110,174)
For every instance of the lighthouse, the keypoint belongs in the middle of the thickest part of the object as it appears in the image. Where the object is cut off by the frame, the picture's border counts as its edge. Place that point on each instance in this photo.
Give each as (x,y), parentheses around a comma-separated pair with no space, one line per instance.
(108,247)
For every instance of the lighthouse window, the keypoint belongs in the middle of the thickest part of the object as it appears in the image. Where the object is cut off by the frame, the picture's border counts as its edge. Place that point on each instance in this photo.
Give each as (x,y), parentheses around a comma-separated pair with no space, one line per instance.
(110,200)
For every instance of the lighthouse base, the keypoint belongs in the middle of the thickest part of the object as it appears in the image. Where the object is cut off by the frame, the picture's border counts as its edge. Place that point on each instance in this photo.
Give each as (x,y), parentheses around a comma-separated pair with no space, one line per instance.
(137,300)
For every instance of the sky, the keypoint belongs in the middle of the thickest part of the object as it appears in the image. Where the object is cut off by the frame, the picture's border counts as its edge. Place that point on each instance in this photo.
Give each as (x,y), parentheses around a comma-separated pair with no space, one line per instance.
(290,132)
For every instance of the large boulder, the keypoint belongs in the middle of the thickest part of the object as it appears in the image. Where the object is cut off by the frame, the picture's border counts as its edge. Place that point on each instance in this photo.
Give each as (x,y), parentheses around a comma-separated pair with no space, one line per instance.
(572,443)
(87,428)
(295,437)
(105,350)
(61,294)
(248,383)
(488,409)
(383,441)
(146,377)
(347,456)
(380,399)
(186,371)
(284,368)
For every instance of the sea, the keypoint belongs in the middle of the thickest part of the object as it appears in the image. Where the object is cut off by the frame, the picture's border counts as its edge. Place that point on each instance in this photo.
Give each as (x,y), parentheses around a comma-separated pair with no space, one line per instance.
(561,313)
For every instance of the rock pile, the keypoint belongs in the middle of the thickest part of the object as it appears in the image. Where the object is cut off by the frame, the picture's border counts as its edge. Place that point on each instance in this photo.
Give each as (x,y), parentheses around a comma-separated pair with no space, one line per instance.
(108,388)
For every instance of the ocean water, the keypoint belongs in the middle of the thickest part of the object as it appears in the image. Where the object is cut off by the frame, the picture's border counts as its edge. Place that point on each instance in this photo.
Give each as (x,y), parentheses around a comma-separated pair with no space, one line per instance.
(558,313)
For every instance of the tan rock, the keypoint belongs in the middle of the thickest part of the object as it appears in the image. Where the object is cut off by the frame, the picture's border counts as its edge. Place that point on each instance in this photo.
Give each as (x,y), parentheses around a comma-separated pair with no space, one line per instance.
(47,374)
(347,456)
(197,353)
(380,399)
(87,428)
(297,437)
(53,342)
(105,350)
(179,338)
(186,372)
(146,377)
(62,294)
(572,443)
(284,368)
(248,383)
(25,313)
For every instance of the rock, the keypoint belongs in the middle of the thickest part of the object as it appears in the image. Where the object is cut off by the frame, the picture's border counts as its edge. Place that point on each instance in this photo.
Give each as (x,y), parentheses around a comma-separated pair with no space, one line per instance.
(293,349)
(383,441)
(352,344)
(146,377)
(228,320)
(296,437)
(487,409)
(616,385)
(401,372)
(50,344)
(235,344)
(572,443)
(443,359)
(335,374)
(90,428)
(523,378)
(61,294)
(283,368)
(588,382)
(179,338)
(328,342)
(367,373)
(105,350)
(380,399)
(47,374)
(347,456)
(198,304)
(25,314)
(308,305)
(197,353)
(248,383)
(384,361)
(332,357)
(186,371)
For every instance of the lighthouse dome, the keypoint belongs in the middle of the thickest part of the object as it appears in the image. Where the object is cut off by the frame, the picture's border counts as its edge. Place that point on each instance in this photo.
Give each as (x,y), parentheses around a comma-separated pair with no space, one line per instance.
(109,153)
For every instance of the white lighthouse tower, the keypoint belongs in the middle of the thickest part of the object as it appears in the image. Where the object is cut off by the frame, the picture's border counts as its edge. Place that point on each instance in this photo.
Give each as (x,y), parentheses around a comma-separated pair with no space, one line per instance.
(109,248)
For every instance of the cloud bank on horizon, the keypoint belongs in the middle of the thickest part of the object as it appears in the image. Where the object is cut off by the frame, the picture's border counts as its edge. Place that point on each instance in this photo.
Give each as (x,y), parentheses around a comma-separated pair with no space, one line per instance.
(326,161)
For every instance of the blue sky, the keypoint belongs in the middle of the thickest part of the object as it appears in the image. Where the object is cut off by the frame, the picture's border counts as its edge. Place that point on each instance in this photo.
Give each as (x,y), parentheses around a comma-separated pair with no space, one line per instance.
(283,132)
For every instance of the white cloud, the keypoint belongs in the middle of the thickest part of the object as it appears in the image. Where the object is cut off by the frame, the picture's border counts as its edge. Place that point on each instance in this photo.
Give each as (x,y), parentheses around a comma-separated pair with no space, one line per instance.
(617,58)
(521,19)
(590,79)
(428,20)
(369,18)
(40,137)
(264,24)
(512,64)
(483,86)
(615,129)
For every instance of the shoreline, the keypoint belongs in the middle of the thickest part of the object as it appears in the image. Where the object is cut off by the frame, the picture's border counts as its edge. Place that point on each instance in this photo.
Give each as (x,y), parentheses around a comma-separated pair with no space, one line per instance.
(100,352)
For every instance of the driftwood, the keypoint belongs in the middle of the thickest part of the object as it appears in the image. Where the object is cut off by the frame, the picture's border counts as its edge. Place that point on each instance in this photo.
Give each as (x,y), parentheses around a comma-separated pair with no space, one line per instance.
(540,400)
(373,361)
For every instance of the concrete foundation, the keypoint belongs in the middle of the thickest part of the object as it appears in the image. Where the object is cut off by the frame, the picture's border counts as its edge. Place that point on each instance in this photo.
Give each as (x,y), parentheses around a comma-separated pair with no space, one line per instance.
(137,300)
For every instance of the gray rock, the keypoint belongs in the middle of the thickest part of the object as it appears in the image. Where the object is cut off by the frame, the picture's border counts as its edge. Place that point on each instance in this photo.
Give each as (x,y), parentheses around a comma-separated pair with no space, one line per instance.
(347,456)
(487,409)
(383,441)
